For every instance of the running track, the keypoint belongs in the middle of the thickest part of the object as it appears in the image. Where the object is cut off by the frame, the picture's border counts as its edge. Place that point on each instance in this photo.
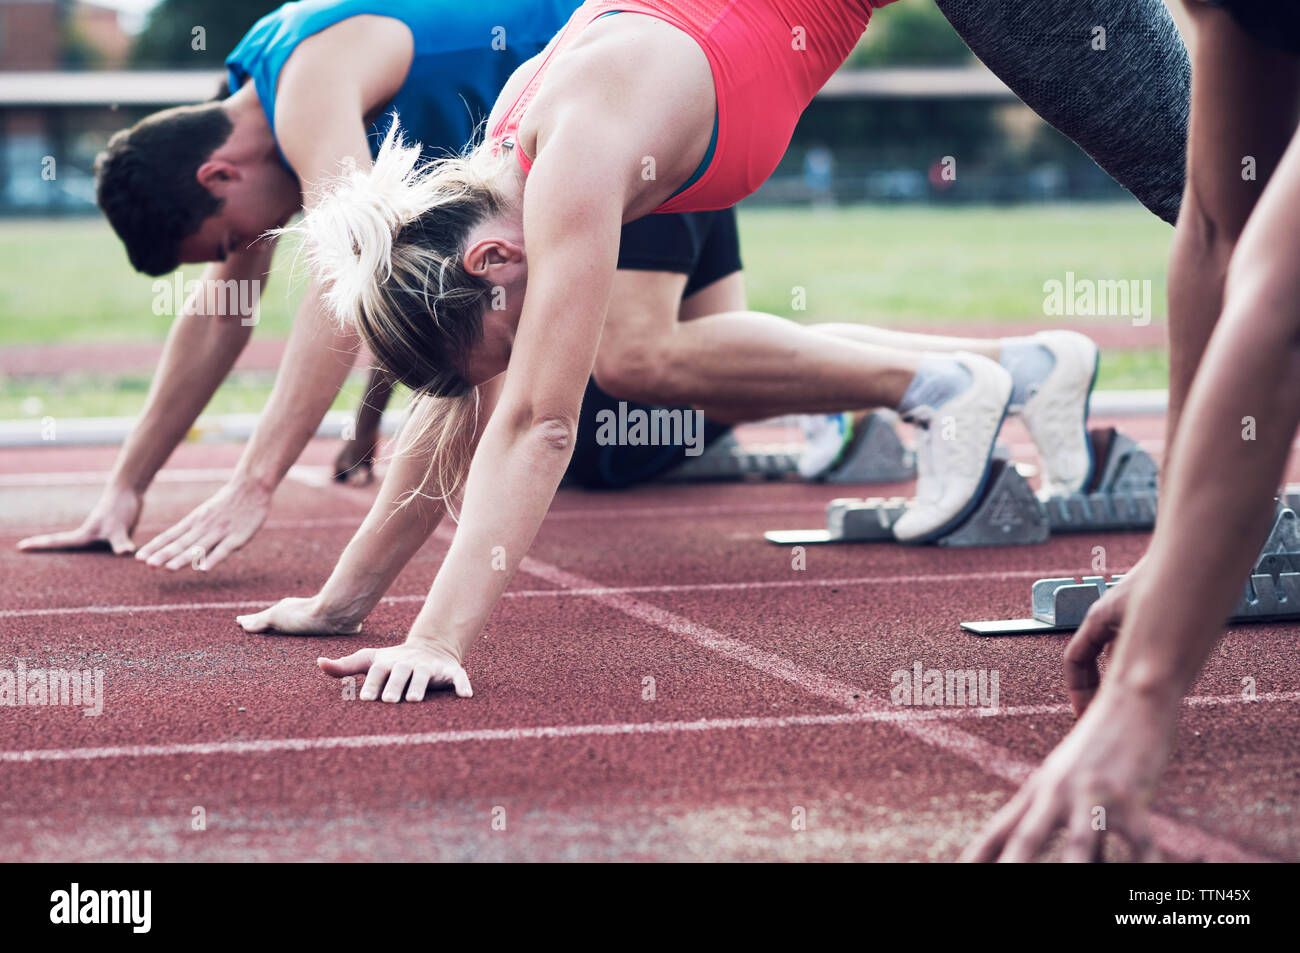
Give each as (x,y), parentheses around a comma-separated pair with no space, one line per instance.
(770,699)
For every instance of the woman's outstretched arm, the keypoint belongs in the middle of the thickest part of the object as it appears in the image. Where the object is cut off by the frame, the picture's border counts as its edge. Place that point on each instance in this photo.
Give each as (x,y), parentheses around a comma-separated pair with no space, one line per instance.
(398,524)
(573,209)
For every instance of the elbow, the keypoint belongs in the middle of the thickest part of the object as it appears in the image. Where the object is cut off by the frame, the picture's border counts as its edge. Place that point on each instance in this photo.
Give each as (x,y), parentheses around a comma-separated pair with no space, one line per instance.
(548,424)
(555,432)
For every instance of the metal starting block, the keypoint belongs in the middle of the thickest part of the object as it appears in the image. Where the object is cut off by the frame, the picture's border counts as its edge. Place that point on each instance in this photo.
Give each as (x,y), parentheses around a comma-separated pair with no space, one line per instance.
(1272,592)
(1008,514)
(877,455)
(1122,496)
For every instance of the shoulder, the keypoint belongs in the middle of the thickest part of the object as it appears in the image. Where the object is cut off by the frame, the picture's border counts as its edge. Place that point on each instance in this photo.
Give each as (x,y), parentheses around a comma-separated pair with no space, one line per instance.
(357,64)
(513,87)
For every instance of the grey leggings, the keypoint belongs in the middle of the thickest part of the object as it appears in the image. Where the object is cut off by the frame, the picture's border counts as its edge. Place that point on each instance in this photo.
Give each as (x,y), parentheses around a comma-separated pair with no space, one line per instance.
(1126,105)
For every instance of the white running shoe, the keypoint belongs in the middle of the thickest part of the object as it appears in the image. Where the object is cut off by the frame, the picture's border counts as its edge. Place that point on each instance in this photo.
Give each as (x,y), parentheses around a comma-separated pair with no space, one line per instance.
(1056,414)
(954,451)
(826,436)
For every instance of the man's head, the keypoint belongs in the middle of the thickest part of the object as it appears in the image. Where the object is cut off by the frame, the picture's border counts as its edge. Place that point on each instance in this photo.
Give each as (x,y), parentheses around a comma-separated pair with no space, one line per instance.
(182,185)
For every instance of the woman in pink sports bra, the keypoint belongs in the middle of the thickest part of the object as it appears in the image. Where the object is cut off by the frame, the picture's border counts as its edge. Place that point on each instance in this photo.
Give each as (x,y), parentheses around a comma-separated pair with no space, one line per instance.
(634,108)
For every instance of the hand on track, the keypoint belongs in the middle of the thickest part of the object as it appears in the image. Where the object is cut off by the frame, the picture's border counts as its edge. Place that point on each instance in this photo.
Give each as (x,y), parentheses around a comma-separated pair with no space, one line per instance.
(1097,782)
(109,526)
(298,617)
(211,532)
(410,668)
(1099,628)
(355,462)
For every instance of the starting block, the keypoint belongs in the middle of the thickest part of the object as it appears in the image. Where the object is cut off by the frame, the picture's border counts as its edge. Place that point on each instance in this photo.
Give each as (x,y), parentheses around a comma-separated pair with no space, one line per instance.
(876,456)
(1122,496)
(1272,591)
(725,461)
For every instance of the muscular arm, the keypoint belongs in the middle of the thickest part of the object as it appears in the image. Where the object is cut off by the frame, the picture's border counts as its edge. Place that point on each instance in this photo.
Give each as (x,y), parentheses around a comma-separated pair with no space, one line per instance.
(329,86)
(1218,475)
(572,215)
(199,352)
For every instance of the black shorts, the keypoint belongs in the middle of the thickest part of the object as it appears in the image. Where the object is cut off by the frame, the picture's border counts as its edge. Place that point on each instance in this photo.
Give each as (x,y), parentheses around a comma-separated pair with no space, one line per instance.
(1273,22)
(705,247)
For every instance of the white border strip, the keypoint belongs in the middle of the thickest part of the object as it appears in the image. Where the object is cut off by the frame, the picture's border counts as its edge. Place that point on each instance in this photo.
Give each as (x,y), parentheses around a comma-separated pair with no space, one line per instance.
(894,716)
(589,592)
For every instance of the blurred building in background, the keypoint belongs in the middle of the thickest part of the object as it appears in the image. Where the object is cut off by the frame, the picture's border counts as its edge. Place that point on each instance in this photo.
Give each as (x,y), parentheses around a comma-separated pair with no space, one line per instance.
(61,34)
(912,118)
(47,136)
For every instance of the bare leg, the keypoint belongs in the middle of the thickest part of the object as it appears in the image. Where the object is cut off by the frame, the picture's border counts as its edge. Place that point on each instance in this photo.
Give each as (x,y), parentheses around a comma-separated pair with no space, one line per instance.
(750,366)
(728,295)
(736,365)
(907,340)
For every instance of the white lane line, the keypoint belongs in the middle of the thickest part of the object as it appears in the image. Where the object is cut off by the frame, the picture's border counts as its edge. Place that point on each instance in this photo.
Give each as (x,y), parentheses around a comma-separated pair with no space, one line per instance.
(99,477)
(316,477)
(311,475)
(1179,839)
(587,592)
(894,716)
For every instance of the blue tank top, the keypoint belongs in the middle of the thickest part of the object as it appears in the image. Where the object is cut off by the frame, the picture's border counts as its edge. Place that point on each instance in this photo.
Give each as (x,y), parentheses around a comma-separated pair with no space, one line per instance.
(464,53)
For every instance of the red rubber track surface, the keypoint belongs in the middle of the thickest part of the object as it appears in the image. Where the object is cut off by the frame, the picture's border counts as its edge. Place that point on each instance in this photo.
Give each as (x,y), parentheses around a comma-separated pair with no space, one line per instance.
(770,734)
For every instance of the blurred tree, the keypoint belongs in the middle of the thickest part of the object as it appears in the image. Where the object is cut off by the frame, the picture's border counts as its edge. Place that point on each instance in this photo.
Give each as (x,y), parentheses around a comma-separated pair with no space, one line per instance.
(911,33)
(195,34)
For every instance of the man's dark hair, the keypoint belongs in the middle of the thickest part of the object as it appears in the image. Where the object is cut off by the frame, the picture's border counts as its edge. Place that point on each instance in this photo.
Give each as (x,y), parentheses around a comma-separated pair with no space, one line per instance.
(145,182)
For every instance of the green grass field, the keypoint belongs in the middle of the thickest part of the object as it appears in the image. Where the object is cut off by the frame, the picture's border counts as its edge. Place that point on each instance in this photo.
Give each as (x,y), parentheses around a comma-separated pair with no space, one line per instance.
(66,281)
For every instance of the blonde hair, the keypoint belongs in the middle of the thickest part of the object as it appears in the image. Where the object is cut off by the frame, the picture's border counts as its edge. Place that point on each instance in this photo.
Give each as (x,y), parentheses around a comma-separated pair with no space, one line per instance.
(388,246)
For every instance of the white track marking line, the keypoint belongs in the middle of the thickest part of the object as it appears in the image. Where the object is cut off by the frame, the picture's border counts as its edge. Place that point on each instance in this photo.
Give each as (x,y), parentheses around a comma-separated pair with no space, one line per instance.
(1179,839)
(98,478)
(894,716)
(316,477)
(588,592)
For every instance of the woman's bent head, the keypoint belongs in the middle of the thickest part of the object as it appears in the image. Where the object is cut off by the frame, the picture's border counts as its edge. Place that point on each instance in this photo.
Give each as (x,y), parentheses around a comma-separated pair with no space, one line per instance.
(389,247)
